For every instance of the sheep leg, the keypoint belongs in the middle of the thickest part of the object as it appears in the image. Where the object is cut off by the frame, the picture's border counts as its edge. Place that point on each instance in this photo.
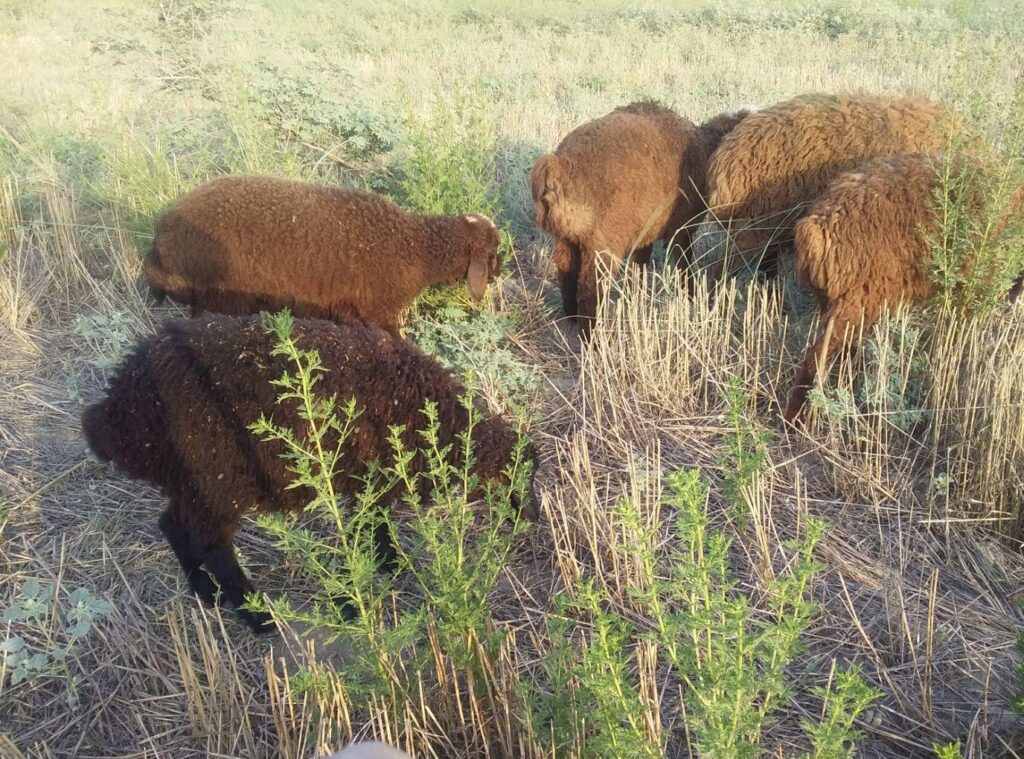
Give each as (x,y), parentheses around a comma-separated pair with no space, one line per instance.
(641,256)
(833,336)
(592,292)
(567,264)
(387,557)
(222,563)
(189,558)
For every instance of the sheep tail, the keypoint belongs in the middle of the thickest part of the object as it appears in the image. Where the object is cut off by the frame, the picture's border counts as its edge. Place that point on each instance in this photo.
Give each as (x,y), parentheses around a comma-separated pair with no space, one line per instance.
(546,182)
(96,431)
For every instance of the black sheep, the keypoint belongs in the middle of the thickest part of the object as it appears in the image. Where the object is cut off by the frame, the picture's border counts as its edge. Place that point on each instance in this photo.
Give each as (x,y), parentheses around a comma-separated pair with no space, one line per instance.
(177,413)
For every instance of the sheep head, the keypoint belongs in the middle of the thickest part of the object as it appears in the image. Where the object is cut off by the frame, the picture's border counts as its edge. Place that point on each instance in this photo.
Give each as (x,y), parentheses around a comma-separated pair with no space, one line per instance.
(482,239)
(97,432)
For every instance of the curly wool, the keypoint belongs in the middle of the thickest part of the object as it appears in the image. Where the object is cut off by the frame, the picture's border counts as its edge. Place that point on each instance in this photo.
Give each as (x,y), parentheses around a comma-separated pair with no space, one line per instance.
(783,157)
(864,246)
(177,411)
(243,244)
(618,184)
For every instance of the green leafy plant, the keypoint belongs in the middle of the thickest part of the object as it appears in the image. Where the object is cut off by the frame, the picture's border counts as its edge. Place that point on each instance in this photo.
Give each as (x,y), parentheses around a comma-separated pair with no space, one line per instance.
(478,343)
(52,629)
(108,335)
(977,238)
(592,704)
(448,167)
(833,737)
(948,751)
(732,662)
(308,109)
(746,451)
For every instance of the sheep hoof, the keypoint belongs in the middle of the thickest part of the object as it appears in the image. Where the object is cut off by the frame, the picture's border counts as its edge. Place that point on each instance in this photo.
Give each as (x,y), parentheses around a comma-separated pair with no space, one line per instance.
(260,622)
(343,605)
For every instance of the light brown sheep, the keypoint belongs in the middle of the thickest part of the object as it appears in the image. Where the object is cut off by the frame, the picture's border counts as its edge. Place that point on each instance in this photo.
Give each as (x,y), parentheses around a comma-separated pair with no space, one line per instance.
(783,157)
(616,185)
(242,244)
(864,246)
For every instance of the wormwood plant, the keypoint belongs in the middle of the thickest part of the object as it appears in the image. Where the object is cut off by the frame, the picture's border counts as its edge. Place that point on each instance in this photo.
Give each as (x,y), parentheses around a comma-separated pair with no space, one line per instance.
(731,662)
(978,237)
(746,450)
(453,557)
(478,343)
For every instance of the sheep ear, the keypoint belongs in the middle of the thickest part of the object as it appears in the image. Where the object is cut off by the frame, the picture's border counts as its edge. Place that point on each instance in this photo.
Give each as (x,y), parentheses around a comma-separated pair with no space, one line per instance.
(476,278)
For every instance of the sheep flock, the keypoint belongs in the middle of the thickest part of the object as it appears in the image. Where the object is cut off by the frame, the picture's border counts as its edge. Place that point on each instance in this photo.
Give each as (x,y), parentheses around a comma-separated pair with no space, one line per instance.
(840,187)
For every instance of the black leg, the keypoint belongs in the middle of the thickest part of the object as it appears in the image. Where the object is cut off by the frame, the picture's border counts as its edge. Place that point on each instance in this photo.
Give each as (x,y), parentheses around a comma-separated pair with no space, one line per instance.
(189,558)
(387,561)
(235,586)
(387,556)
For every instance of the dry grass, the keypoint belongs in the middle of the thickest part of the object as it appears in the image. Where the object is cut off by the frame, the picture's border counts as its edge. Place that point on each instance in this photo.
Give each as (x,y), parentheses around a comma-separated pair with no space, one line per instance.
(918,589)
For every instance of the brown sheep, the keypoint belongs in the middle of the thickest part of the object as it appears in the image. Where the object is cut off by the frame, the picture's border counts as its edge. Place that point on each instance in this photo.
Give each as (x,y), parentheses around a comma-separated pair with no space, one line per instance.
(243,244)
(864,246)
(177,411)
(618,184)
(783,157)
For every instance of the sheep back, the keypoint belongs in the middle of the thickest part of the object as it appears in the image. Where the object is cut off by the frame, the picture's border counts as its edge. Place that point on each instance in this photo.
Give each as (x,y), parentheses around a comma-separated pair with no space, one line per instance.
(784,155)
(241,244)
(618,181)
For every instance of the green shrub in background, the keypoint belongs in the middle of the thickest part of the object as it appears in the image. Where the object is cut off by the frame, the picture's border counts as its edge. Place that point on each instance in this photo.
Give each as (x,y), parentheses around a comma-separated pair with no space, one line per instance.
(978,240)
(478,343)
(447,166)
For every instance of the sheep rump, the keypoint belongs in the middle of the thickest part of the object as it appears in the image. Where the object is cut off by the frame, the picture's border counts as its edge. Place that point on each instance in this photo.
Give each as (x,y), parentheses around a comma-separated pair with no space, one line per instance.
(617,184)
(781,158)
(864,246)
(177,411)
(242,244)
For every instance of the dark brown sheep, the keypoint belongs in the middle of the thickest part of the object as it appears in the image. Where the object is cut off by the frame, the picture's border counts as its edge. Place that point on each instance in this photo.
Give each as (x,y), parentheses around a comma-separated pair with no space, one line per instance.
(774,163)
(243,244)
(176,415)
(864,246)
(618,184)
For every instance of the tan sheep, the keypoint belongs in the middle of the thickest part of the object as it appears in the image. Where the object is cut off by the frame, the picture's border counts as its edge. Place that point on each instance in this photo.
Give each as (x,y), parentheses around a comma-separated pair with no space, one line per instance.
(242,244)
(864,246)
(780,159)
(617,184)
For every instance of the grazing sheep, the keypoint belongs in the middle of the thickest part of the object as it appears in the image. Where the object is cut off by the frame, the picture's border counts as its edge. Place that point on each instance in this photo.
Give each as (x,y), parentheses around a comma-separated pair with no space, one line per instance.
(864,245)
(177,410)
(369,750)
(618,184)
(239,245)
(783,157)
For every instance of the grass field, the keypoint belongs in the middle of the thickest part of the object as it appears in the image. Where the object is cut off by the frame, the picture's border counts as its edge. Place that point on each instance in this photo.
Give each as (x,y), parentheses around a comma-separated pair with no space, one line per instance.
(702,579)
